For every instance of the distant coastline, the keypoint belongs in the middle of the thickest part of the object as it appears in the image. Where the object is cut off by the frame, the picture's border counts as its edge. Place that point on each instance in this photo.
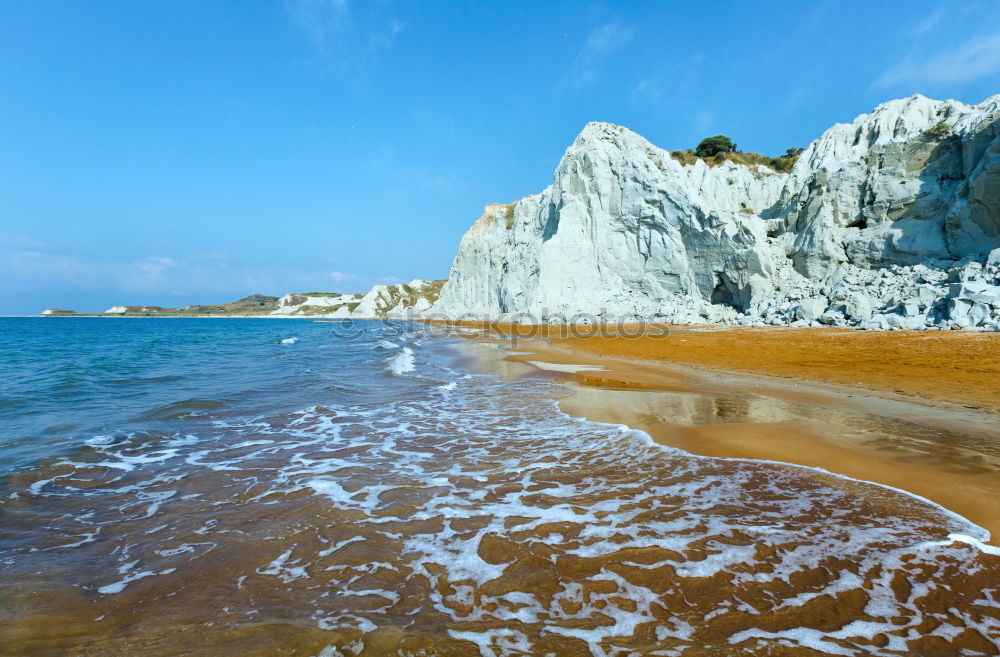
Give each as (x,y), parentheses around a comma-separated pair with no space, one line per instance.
(103,316)
(381,301)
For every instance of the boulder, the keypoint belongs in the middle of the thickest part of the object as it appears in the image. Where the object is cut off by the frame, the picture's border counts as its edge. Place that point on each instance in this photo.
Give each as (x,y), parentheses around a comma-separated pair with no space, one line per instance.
(858,306)
(993,259)
(926,295)
(810,309)
(988,294)
(979,314)
(967,289)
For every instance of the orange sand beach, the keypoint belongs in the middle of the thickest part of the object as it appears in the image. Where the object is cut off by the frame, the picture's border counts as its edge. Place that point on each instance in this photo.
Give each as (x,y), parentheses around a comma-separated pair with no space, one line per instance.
(919,411)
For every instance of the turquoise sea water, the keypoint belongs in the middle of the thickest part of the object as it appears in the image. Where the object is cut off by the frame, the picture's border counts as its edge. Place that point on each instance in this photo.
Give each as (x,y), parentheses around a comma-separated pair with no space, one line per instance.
(285,487)
(65,380)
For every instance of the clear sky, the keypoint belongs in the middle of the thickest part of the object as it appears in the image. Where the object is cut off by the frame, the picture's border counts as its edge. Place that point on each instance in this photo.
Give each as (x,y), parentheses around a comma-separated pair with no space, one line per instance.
(183,151)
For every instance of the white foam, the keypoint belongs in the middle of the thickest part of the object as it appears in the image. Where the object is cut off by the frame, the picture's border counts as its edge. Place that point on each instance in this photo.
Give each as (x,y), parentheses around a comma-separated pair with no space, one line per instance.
(89,537)
(119,586)
(968,540)
(403,362)
(291,340)
(330,489)
(284,568)
(490,451)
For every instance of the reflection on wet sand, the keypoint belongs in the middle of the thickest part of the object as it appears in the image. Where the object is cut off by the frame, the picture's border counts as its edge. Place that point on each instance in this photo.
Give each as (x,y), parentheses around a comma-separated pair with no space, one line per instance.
(948,455)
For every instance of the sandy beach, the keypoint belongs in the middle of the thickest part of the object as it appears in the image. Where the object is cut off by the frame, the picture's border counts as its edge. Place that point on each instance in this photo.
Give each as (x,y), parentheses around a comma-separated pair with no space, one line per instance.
(912,410)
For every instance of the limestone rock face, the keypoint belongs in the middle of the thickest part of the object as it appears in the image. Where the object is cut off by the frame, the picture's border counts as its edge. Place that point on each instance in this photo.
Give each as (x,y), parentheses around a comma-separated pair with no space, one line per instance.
(913,180)
(624,229)
(411,299)
(403,300)
(871,211)
(304,304)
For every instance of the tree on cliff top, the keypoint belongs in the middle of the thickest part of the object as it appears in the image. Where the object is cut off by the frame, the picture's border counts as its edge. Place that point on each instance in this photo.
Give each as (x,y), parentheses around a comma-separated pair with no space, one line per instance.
(710,146)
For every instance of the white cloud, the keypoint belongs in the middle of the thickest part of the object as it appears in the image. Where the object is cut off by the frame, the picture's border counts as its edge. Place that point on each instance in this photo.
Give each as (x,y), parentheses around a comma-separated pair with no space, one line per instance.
(601,41)
(969,60)
(21,242)
(385,38)
(196,278)
(928,23)
(38,267)
(320,20)
(340,277)
(645,91)
(154,266)
(332,31)
(41,267)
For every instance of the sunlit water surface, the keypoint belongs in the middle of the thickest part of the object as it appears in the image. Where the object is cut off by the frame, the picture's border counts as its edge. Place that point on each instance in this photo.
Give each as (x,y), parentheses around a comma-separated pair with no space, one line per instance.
(281,487)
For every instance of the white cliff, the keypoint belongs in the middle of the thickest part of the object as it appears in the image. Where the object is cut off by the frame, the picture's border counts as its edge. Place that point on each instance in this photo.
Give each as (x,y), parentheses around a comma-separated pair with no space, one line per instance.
(872,223)
(397,301)
(293,304)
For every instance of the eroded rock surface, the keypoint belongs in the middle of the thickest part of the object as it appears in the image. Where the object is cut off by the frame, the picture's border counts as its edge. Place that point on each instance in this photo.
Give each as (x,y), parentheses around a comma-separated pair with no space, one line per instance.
(887,222)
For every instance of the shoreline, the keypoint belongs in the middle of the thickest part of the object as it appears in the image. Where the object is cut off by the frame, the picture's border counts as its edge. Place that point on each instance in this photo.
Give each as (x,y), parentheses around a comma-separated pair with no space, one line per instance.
(938,450)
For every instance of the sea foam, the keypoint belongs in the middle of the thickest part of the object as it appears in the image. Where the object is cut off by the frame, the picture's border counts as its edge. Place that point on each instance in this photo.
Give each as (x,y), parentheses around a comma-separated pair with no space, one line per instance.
(482,508)
(402,362)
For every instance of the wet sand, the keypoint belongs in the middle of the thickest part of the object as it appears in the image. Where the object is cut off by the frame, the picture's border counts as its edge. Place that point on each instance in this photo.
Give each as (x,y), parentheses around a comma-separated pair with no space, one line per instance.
(908,410)
(432,512)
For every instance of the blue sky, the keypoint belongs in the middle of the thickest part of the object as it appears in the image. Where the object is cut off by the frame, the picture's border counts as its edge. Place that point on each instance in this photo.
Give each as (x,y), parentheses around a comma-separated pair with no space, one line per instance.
(194,152)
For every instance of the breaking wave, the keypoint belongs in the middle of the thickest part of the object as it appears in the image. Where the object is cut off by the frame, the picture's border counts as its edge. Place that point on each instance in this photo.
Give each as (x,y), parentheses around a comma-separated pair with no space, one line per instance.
(402,362)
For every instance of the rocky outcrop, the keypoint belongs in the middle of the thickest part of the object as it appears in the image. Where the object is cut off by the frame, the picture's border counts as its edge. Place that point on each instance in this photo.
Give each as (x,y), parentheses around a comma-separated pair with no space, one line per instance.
(915,180)
(382,301)
(314,304)
(880,224)
(397,301)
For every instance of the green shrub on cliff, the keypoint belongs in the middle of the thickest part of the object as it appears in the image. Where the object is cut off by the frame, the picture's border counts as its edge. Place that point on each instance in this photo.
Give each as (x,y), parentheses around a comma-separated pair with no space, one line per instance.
(781,164)
(712,146)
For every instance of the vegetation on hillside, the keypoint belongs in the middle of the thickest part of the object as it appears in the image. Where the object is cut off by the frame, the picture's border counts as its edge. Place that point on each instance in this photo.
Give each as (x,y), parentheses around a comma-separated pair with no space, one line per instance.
(719,149)
(939,130)
(402,292)
(258,299)
(712,146)
(508,214)
(255,304)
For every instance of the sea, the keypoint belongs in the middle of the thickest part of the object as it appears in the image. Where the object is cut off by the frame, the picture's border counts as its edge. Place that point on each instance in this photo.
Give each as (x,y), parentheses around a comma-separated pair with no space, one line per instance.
(289,487)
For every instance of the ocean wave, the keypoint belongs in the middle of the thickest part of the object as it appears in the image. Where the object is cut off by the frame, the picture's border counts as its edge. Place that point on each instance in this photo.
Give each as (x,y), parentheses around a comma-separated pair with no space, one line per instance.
(184,408)
(402,362)
(291,340)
